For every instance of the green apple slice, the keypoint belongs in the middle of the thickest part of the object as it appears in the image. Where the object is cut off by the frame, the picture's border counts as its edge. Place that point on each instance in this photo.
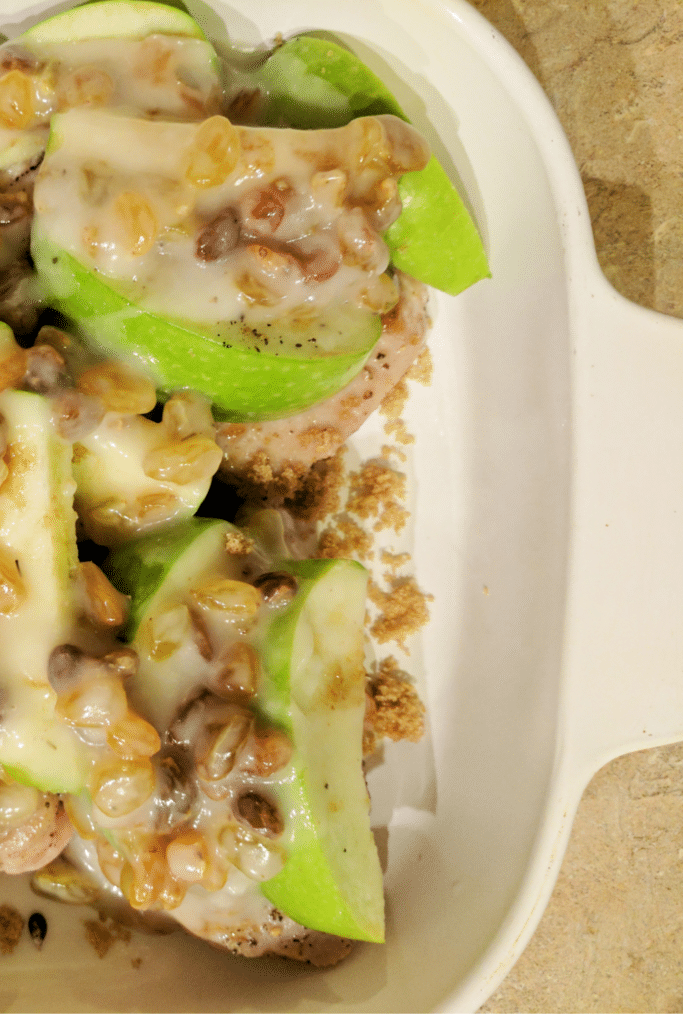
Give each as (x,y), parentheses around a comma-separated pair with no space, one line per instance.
(312,689)
(165,565)
(255,358)
(317,83)
(65,37)
(111,19)
(243,383)
(37,535)
(158,572)
(115,498)
(313,657)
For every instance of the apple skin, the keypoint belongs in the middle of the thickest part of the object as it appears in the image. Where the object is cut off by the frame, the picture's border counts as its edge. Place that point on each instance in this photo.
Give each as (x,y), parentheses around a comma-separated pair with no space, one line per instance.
(332,880)
(317,83)
(140,567)
(37,748)
(241,383)
(111,19)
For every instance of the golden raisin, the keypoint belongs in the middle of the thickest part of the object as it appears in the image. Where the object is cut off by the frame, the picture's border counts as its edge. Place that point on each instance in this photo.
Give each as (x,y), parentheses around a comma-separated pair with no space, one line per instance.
(214,153)
(119,389)
(138,224)
(16,100)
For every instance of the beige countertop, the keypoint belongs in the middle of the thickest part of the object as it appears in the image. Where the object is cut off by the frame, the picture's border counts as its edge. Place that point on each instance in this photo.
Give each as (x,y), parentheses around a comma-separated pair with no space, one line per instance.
(611,939)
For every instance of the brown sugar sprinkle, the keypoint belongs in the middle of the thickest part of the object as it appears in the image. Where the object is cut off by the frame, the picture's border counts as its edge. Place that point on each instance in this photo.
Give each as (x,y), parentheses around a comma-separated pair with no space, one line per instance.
(346,539)
(320,438)
(393,404)
(317,493)
(394,710)
(256,483)
(403,609)
(102,934)
(422,369)
(392,407)
(394,561)
(377,491)
(390,451)
(11,927)
(238,544)
(400,432)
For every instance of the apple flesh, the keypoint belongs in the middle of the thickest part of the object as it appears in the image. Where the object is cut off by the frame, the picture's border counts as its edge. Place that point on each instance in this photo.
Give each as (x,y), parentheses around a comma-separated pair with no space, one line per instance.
(314,82)
(39,537)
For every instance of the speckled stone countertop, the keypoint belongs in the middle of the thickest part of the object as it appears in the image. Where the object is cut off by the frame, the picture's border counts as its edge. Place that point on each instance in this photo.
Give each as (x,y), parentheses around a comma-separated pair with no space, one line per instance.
(611,939)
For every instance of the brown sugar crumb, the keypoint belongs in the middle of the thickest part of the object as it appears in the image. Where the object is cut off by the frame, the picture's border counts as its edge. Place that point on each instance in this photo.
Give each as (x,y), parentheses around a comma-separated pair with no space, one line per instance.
(317,493)
(422,369)
(393,516)
(102,934)
(377,491)
(238,544)
(256,483)
(307,493)
(394,561)
(400,431)
(403,609)
(393,404)
(346,539)
(320,438)
(388,451)
(394,709)
(11,927)
(350,403)
(259,469)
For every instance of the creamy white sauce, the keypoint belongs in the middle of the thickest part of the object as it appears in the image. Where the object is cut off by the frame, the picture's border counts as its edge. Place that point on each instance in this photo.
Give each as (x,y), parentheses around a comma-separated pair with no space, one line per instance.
(97,157)
(159,75)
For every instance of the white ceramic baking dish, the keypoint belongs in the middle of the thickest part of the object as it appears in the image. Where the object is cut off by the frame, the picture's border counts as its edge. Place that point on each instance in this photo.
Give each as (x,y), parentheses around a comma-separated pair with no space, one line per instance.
(548,520)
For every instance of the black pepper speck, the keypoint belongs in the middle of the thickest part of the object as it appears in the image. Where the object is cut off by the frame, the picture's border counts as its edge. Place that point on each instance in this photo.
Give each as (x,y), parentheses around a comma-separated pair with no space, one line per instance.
(37,929)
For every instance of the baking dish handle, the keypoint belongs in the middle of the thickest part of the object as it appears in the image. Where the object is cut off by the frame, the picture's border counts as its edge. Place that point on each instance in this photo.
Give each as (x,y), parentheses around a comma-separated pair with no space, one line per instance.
(624,637)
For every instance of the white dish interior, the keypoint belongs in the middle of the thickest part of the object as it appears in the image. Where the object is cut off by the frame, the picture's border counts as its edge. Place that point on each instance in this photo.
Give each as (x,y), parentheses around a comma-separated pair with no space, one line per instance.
(471,824)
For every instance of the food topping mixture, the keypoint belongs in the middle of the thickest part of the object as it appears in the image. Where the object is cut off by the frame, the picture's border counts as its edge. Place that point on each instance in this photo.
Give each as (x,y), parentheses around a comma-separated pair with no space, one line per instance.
(260,224)
(199,309)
